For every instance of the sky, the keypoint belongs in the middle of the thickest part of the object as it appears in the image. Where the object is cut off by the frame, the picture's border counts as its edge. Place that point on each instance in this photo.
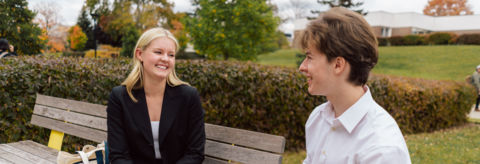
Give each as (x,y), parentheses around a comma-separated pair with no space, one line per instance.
(70,9)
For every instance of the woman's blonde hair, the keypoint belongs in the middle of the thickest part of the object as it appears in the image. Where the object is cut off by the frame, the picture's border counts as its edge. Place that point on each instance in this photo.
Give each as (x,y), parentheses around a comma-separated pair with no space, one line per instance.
(135,78)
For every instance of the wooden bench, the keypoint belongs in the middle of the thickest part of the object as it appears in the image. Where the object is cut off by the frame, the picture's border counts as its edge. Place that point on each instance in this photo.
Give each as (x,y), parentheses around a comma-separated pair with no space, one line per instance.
(88,121)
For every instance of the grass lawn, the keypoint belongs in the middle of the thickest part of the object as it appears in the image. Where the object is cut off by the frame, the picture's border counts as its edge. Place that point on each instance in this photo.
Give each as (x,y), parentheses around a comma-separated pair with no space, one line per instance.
(280,58)
(456,145)
(429,62)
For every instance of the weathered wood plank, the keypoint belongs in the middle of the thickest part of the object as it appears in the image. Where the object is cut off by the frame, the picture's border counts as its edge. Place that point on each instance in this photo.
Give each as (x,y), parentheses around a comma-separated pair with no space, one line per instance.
(79,131)
(24,154)
(4,161)
(44,148)
(35,151)
(78,106)
(262,141)
(240,154)
(76,118)
(209,160)
(13,158)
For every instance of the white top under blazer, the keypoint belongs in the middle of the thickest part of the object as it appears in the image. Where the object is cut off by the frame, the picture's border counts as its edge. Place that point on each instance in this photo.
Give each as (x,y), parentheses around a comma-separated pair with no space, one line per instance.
(155,126)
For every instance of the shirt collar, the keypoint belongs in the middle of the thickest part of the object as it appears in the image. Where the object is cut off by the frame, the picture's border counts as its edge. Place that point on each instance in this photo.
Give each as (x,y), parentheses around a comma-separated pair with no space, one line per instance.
(352,116)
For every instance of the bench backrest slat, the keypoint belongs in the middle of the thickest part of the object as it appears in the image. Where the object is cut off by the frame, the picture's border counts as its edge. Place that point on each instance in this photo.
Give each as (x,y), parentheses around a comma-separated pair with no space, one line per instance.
(77,106)
(240,154)
(76,118)
(262,141)
(72,129)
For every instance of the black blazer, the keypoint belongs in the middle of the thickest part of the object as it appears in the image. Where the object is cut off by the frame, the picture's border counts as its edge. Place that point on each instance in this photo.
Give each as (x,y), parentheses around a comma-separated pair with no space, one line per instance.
(181,131)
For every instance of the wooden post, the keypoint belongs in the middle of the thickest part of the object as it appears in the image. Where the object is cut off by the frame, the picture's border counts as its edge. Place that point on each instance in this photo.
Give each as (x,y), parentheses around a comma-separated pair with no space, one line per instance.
(56,139)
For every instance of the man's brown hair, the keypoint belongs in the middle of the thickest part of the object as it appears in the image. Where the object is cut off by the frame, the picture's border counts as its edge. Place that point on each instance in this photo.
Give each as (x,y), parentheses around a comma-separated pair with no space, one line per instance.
(340,32)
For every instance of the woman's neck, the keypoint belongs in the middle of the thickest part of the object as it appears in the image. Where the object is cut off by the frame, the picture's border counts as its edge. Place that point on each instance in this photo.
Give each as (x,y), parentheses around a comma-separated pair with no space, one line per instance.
(344,98)
(154,87)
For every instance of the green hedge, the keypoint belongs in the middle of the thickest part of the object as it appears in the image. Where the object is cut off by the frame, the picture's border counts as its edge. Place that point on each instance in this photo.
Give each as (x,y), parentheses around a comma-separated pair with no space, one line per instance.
(396,41)
(469,39)
(236,94)
(414,40)
(442,38)
(382,41)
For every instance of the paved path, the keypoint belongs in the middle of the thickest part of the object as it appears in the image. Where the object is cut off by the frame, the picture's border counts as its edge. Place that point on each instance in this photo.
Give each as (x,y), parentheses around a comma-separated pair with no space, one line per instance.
(474,114)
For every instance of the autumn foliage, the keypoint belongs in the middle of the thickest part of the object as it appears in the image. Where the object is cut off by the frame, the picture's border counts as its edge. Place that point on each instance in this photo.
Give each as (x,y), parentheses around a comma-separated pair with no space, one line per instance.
(447,8)
(76,38)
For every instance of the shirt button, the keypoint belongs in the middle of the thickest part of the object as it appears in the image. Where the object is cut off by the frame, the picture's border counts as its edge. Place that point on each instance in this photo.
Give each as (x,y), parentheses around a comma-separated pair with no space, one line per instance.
(333,128)
(324,152)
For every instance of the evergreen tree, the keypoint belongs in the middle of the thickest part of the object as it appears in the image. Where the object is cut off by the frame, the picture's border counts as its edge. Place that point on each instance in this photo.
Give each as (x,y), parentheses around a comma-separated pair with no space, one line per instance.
(17,27)
(342,3)
(129,40)
(86,25)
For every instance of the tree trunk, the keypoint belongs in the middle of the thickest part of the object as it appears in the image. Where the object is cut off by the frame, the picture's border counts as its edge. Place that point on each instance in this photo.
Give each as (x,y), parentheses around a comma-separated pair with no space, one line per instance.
(225,55)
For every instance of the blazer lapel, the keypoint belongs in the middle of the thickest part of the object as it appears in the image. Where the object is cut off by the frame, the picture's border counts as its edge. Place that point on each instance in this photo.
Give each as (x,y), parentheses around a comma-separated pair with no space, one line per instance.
(139,112)
(171,104)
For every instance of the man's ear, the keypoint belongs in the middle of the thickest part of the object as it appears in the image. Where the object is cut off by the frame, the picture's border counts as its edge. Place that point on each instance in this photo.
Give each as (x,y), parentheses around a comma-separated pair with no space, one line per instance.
(340,65)
(138,54)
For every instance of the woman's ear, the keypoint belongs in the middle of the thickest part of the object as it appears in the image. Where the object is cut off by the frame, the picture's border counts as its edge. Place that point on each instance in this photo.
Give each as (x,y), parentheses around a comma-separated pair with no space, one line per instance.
(138,54)
(340,65)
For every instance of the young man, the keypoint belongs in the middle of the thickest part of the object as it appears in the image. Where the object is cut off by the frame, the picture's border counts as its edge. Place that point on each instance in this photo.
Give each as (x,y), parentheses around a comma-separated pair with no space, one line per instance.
(476,83)
(351,127)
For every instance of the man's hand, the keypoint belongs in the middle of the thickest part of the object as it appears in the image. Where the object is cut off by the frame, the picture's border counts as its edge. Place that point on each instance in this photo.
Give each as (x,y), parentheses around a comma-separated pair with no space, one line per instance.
(11,50)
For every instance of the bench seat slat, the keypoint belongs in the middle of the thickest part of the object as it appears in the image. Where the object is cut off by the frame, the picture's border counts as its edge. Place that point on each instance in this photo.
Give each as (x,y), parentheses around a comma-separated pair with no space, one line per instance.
(44,148)
(209,160)
(75,130)
(240,154)
(78,106)
(76,118)
(13,158)
(4,161)
(36,151)
(24,154)
(262,141)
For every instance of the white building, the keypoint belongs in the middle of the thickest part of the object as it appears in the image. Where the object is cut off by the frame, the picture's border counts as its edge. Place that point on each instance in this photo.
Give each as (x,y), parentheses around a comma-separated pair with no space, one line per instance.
(387,24)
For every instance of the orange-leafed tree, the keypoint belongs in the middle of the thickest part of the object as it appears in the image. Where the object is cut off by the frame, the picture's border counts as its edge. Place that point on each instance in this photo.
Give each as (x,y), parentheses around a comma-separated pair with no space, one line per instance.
(49,20)
(178,30)
(76,38)
(447,8)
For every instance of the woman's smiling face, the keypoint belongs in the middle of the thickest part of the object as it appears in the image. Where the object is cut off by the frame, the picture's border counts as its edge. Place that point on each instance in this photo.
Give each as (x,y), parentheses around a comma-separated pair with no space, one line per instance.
(158,58)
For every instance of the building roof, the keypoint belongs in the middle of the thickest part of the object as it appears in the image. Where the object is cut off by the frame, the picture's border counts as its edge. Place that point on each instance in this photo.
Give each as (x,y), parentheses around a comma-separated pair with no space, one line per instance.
(399,20)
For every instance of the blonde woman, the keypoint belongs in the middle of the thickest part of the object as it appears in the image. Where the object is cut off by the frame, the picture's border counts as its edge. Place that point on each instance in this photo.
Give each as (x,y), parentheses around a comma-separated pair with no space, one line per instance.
(154,117)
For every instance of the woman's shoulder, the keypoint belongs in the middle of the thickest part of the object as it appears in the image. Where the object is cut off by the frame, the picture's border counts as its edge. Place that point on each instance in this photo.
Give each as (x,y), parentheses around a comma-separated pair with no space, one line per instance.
(119,90)
(185,89)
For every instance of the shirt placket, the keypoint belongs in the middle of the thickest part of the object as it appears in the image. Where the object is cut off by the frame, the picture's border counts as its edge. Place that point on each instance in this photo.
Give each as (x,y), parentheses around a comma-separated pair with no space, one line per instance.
(328,143)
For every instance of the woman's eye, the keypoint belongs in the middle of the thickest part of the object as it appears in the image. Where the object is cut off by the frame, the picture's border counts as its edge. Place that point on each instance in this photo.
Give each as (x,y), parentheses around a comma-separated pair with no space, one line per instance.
(158,52)
(172,55)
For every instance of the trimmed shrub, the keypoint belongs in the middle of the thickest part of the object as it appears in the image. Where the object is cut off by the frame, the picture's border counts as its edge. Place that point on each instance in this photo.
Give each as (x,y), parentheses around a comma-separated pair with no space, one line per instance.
(382,41)
(395,40)
(443,38)
(243,95)
(469,39)
(414,40)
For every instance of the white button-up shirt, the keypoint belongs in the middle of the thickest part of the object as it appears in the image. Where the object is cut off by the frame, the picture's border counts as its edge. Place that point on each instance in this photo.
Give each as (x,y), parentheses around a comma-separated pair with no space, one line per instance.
(364,133)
